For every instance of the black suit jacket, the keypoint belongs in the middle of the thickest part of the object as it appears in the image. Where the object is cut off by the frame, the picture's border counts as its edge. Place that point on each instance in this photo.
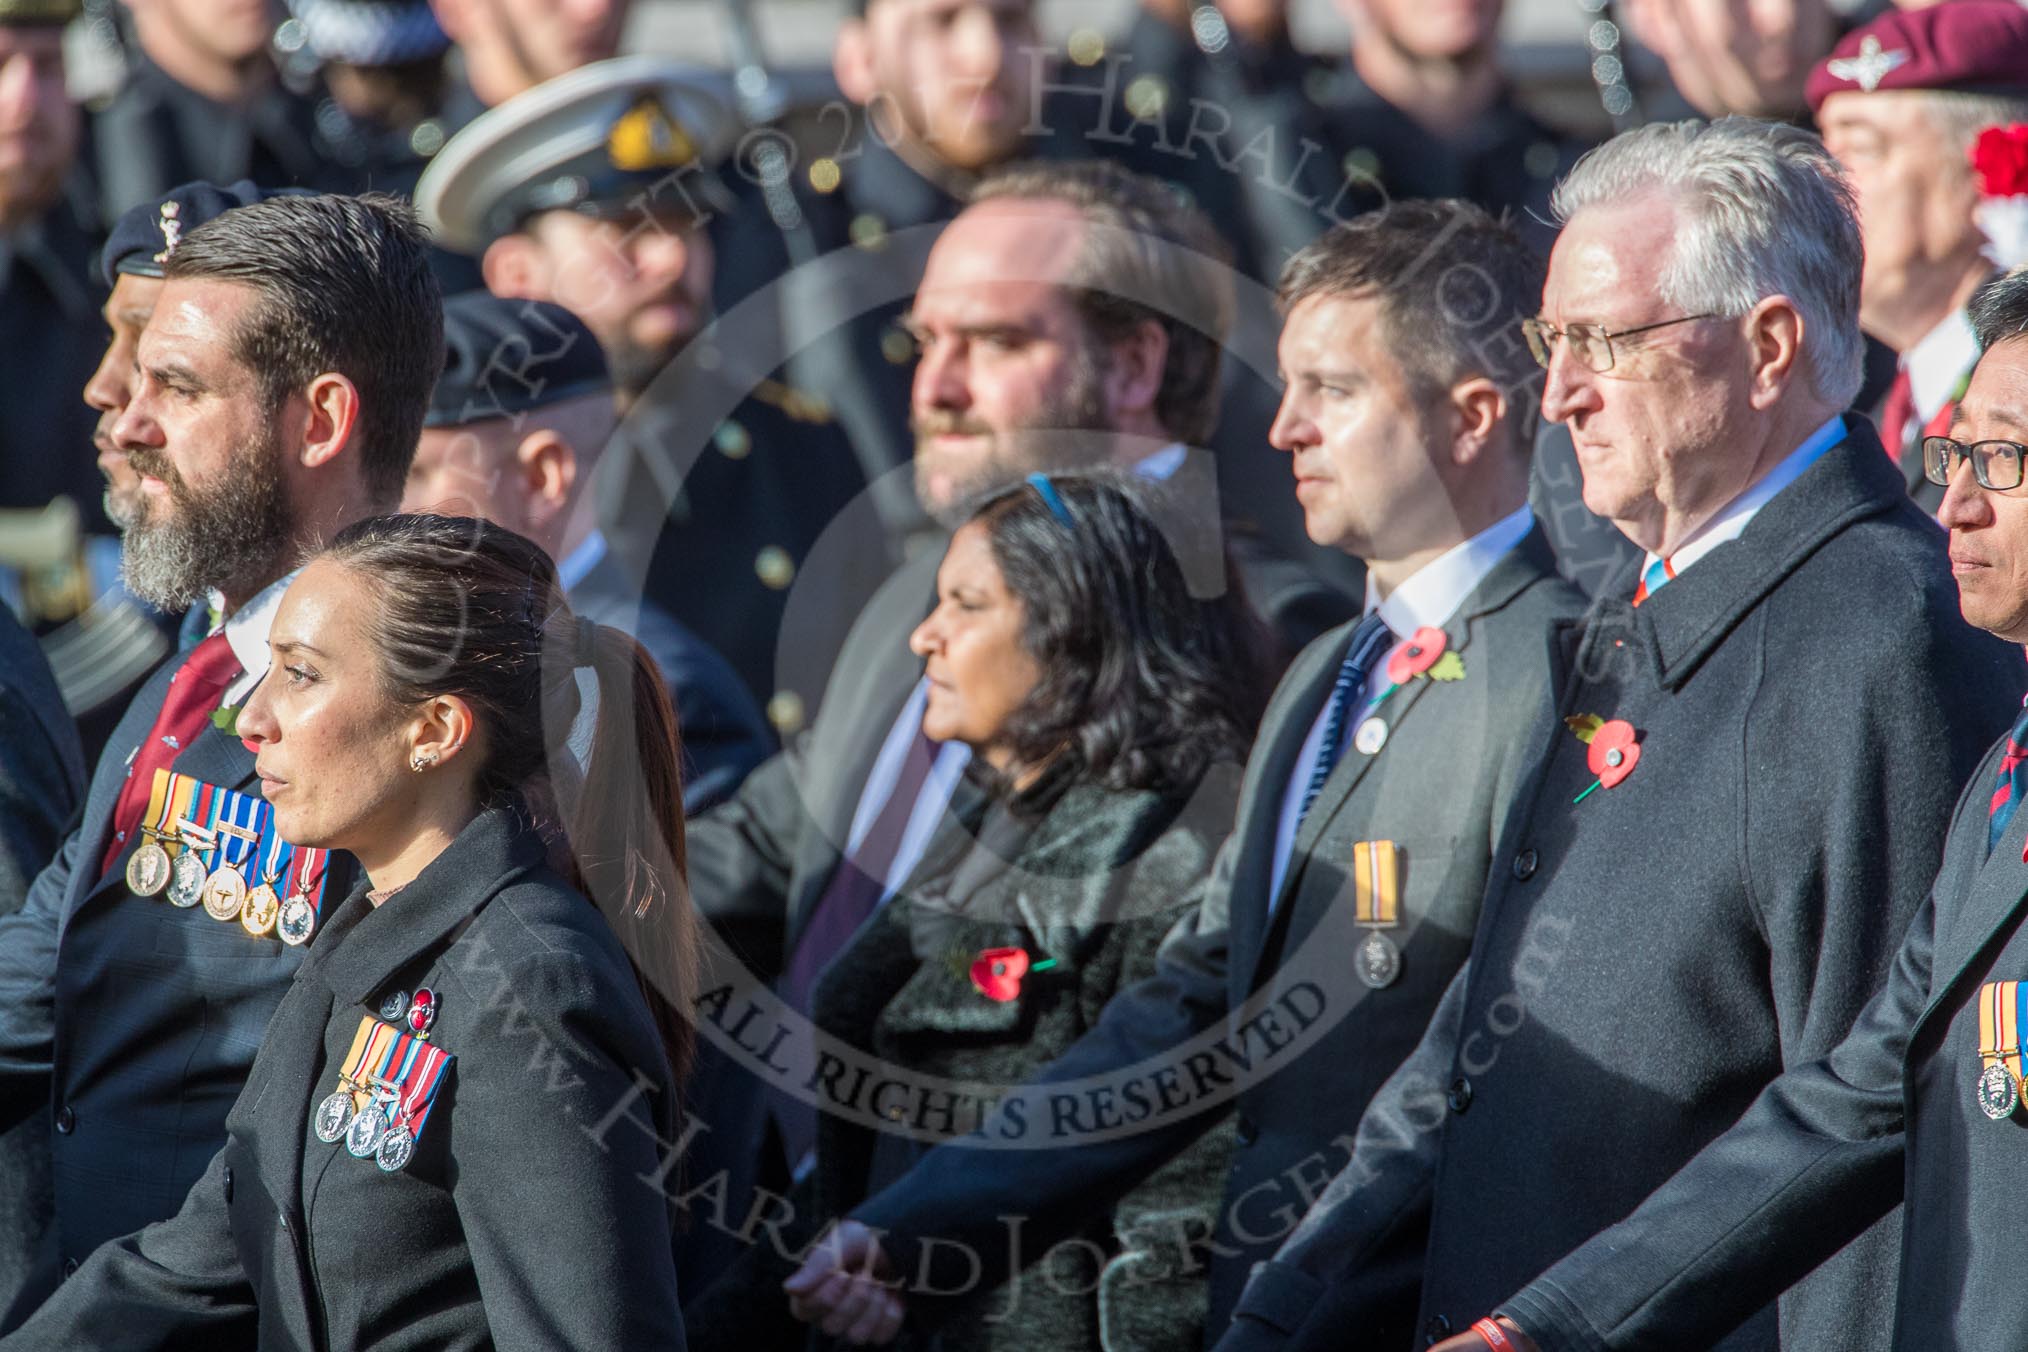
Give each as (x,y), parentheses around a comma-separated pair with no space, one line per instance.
(1235,956)
(523,1218)
(1808,702)
(127,1026)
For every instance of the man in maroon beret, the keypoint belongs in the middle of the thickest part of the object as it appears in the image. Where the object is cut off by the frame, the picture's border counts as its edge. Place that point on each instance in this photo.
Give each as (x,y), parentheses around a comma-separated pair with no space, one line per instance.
(1900,102)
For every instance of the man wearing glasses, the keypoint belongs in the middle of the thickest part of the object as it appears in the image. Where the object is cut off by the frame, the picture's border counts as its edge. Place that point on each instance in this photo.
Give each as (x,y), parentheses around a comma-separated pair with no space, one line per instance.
(1764,722)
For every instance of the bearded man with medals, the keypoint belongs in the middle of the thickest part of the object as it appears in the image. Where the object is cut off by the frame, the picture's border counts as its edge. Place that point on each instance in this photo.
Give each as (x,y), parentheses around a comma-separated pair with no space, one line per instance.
(133,991)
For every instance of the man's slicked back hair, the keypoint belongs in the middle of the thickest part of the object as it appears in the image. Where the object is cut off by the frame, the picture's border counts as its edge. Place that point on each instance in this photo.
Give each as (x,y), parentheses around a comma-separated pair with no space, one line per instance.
(1454,283)
(344,285)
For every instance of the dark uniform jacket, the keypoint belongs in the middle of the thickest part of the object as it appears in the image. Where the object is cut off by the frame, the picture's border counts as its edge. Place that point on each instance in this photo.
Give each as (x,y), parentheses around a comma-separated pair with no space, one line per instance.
(1237,955)
(41,783)
(522,1219)
(1826,1149)
(1807,702)
(723,733)
(727,483)
(127,1026)
(1093,882)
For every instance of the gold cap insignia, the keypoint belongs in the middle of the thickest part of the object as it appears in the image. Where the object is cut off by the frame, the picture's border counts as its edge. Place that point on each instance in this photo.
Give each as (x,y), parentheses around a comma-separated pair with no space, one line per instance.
(172,230)
(648,138)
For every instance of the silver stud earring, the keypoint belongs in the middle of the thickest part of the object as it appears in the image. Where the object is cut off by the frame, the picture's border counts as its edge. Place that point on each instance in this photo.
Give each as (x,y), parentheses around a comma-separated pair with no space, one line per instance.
(421,761)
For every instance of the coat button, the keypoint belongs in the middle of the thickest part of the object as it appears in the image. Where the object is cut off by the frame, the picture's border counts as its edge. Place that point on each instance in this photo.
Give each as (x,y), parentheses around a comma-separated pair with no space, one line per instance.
(1435,1330)
(1524,864)
(1460,1097)
(66,1120)
(69,1268)
(1246,1129)
(228,1183)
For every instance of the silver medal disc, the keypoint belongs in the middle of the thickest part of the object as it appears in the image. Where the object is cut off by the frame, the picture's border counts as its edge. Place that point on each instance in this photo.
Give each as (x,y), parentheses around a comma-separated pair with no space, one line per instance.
(334,1115)
(1998,1094)
(367,1131)
(394,1152)
(1379,961)
(186,880)
(1371,736)
(298,921)
(148,870)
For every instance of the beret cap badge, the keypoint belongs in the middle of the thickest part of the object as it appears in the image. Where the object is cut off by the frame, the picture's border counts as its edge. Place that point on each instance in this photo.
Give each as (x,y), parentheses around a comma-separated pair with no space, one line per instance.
(1873,64)
(172,229)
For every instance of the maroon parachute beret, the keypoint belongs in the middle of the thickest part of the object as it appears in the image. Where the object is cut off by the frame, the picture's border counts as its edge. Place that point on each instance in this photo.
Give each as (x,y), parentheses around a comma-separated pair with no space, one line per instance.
(1974,46)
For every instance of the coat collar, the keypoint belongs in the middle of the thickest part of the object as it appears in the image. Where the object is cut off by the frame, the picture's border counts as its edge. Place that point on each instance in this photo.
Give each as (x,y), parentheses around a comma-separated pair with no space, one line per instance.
(1851,482)
(496,849)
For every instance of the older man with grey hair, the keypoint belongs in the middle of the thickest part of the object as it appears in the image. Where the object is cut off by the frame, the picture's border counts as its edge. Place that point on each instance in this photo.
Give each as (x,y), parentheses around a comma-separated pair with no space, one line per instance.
(1764,723)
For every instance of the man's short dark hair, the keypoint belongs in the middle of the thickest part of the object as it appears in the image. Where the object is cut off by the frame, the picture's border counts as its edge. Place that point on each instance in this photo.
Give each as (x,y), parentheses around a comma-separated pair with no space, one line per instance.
(1151,256)
(1454,283)
(344,285)
(2000,308)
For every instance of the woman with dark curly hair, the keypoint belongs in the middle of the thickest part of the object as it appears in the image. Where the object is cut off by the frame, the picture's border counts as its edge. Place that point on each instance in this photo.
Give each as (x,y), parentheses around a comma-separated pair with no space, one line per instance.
(1108,712)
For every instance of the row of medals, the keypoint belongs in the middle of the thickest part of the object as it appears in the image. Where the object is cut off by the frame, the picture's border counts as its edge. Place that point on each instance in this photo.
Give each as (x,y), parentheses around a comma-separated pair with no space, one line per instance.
(377,1130)
(222,891)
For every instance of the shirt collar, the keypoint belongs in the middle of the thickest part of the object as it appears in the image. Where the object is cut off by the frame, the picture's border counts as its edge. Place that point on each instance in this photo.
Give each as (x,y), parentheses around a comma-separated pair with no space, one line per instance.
(246,631)
(1433,593)
(574,567)
(1939,362)
(1731,523)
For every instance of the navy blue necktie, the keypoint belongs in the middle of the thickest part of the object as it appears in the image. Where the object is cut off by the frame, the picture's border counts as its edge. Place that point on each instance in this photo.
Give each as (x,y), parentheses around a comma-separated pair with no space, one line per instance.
(1361,653)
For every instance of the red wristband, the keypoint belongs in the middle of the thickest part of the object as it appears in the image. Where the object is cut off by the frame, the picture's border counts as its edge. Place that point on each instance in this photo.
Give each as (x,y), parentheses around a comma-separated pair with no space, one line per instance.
(1495,1336)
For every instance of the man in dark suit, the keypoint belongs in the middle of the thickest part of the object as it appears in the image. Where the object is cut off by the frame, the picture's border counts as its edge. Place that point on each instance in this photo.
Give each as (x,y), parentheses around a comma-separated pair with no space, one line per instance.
(127,1024)
(1764,723)
(1044,344)
(1924,1097)
(1419,465)
(513,434)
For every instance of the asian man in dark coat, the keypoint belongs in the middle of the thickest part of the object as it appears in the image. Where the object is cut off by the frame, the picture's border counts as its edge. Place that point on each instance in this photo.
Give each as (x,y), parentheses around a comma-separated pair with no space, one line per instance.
(1763,725)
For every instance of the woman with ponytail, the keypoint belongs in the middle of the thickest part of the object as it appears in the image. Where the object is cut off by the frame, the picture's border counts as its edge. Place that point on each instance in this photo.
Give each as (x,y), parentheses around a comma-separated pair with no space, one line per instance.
(462,1120)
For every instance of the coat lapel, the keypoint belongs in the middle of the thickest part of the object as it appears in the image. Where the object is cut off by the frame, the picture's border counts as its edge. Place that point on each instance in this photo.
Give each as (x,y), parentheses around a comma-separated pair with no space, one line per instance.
(1991,904)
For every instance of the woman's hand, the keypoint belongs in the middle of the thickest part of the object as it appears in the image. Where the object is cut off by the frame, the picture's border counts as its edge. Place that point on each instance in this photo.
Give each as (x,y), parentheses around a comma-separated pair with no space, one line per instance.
(846,1287)
(1469,1341)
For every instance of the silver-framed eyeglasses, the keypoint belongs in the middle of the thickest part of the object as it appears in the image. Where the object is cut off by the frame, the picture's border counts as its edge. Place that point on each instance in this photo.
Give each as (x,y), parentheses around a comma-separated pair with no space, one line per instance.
(1995,464)
(1590,344)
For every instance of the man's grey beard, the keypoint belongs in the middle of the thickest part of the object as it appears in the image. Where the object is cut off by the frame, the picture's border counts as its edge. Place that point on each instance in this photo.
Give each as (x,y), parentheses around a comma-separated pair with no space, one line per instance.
(1059,437)
(230,535)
